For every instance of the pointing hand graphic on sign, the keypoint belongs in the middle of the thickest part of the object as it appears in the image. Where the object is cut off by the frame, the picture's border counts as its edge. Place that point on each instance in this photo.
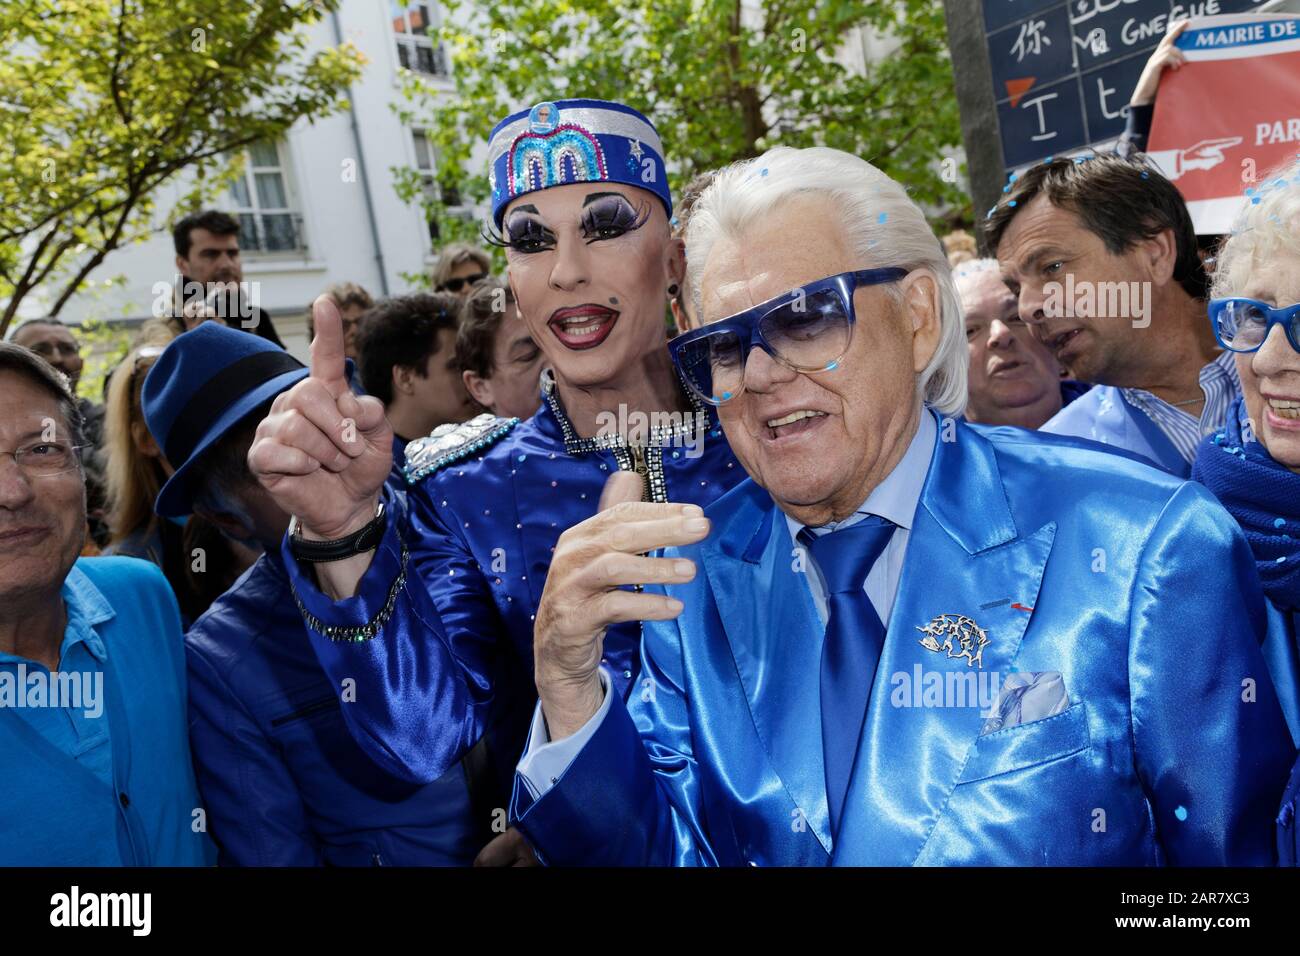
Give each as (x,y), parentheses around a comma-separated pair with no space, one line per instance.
(1206,154)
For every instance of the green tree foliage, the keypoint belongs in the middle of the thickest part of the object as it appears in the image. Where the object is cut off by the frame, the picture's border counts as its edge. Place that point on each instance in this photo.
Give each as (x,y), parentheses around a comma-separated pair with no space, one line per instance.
(103,101)
(722,81)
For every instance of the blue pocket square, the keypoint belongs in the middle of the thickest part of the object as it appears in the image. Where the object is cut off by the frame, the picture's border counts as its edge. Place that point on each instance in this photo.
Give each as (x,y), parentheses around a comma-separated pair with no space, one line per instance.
(1026,697)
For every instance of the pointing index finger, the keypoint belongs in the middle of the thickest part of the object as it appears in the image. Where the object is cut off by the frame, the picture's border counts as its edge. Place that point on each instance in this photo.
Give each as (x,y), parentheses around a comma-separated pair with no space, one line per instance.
(327,354)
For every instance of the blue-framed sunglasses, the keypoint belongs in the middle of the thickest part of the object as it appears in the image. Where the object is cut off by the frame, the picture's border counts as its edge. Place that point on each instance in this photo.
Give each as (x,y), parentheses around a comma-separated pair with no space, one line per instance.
(1242,325)
(807,329)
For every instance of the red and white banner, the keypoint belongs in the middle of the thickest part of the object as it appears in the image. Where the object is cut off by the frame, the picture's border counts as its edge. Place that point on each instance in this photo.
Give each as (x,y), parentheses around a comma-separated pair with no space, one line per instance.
(1230,114)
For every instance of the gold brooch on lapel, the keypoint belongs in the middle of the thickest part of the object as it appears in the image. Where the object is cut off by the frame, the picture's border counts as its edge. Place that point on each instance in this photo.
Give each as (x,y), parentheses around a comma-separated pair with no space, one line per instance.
(958,635)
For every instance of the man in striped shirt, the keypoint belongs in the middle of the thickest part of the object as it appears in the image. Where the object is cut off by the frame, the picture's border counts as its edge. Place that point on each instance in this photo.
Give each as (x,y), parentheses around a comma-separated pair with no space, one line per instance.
(1102,256)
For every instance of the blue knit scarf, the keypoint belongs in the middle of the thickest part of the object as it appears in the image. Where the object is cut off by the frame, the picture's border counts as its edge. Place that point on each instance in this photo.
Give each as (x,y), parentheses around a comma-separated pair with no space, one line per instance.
(1263,496)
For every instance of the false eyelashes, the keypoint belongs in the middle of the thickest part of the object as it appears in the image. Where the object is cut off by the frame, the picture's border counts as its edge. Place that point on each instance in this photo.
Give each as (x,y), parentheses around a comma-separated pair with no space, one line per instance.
(607,217)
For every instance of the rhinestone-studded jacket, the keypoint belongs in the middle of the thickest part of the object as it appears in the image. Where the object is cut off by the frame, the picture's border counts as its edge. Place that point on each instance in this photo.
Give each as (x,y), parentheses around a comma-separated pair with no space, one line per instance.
(431,655)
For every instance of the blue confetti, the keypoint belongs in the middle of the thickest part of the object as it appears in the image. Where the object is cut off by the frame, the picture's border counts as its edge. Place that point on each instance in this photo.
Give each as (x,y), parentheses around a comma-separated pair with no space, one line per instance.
(521,458)
(762,172)
(1279,522)
(1281,559)
(883,216)
(1180,812)
(1145,176)
(1011,203)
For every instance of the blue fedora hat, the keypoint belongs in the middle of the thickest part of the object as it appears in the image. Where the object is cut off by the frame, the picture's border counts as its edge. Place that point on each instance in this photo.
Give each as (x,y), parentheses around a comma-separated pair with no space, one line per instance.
(205,382)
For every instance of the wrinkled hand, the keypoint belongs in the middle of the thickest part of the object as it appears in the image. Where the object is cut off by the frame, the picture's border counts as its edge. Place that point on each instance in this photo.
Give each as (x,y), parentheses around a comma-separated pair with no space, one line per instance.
(322,452)
(508,849)
(1165,55)
(582,596)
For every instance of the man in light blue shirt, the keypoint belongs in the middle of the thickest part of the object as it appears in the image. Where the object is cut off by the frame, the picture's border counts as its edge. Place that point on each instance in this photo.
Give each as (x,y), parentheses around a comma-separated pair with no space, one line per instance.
(94,745)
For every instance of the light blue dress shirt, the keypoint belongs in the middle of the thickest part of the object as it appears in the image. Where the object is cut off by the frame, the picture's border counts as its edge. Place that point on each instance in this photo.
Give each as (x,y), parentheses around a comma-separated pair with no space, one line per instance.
(104,779)
(894,499)
(1222,386)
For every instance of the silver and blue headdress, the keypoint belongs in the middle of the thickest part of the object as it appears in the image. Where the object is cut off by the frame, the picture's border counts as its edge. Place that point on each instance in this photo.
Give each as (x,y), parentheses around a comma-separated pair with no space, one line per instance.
(574,141)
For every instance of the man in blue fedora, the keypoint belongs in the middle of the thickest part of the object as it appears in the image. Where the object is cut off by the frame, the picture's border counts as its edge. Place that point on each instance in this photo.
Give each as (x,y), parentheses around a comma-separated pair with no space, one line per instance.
(282,780)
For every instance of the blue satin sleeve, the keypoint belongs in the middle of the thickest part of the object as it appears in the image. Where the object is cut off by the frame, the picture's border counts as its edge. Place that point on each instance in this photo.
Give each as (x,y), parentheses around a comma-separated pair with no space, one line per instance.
(1212,747)
(416,695)
(631,796)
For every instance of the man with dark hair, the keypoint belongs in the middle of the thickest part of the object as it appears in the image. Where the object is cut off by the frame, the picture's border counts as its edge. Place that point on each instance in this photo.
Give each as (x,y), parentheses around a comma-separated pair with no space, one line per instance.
(407,346)
(498,359)
(283,782)
(53,341)
(1102,257)
(207,258)
(93,744)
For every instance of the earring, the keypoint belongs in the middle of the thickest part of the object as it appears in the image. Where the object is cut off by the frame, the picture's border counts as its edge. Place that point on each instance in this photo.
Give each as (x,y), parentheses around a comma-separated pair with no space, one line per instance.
(672,291)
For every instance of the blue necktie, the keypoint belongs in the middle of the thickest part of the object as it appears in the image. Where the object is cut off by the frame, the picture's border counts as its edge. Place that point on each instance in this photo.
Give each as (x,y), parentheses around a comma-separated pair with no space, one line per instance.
(851,648)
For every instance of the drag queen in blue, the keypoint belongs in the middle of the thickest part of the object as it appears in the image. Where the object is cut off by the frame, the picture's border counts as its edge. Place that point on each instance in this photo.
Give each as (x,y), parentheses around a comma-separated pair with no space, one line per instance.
(436,640)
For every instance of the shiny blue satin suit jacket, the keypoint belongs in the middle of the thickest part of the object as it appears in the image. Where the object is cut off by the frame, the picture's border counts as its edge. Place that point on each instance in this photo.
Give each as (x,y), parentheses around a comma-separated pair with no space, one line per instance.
(1138,588)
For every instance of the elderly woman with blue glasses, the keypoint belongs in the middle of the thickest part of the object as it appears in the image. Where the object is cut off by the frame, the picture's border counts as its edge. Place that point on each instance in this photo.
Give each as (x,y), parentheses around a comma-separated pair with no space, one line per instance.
(1253,465)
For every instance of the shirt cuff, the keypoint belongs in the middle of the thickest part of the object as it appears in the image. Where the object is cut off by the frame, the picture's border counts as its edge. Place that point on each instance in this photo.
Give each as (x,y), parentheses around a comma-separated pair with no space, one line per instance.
(544,761)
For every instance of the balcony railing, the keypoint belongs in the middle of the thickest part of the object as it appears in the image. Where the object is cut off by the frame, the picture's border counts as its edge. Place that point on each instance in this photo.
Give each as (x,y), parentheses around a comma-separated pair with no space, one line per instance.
(422,57)
(266,232)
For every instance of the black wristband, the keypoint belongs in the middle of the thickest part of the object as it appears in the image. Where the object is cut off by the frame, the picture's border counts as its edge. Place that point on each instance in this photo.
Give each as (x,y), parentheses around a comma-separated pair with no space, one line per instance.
(360,541)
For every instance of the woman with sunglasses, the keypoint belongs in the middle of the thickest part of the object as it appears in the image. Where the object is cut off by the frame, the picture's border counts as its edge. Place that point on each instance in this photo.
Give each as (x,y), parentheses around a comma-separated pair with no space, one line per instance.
(1253,465)
(459,268)
(580,203)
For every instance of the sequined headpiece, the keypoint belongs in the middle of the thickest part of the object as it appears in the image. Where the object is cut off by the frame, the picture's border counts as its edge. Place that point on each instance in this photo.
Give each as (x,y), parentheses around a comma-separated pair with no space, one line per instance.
(574,141)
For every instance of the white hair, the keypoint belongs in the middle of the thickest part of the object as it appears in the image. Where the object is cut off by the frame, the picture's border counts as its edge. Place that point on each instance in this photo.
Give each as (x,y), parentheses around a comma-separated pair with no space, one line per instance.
(884,227)
(974,267)
(1266,231)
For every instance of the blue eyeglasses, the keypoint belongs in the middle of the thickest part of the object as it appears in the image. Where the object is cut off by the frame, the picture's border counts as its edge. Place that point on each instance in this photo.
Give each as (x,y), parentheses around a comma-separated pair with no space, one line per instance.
(807,329)
(1242,325)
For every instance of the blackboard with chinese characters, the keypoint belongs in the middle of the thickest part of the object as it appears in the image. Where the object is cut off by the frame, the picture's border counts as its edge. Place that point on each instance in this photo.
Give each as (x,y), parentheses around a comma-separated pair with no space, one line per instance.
(1063,72)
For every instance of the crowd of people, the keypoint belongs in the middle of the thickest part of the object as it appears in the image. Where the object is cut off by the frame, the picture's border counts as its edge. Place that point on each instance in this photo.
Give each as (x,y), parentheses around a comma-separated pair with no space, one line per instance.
(571,564)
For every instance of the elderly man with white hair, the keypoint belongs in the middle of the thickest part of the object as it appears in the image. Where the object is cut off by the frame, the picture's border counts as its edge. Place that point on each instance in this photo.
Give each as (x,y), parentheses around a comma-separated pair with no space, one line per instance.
(903,640)
(1014,378)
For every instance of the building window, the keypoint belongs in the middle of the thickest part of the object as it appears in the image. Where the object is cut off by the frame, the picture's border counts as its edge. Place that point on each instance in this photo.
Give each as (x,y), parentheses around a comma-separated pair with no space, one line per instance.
(267,222)
(425,162)
(434,191)
(416,26)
